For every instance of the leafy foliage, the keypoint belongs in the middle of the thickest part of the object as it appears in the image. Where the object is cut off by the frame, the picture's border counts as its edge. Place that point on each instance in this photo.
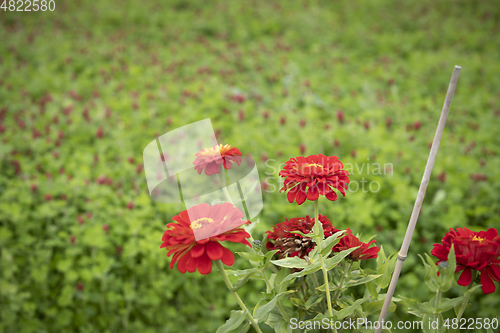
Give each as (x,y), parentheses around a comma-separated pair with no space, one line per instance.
(85,88)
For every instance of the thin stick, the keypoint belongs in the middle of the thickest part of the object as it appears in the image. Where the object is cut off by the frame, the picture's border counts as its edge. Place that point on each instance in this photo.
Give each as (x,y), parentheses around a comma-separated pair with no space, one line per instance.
(420,197)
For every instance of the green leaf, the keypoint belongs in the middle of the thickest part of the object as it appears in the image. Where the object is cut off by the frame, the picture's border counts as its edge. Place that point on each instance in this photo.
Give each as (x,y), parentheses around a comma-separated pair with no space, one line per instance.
(278,323)
(447,275)
(292,262)
(241,282)
(374,307)
(372,290)
(306,271)
(446,304)
(241,272)
(433,323)
(350,309)
(262,312)
(381,258)
(268,256)
(278,280)
(431,278)
(313,300)
(237,317)
(363,280)
(416,308)
(251,256)
(468,292)
(328,243)
(386,269)
(245,328)
(333,261)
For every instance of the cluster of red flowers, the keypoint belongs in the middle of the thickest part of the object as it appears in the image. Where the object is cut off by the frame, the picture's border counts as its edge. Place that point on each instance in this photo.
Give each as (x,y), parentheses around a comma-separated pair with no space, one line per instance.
(479,251)
(287,243)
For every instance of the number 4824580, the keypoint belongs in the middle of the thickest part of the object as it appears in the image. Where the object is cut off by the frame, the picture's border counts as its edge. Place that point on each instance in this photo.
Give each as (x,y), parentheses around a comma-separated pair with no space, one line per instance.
(28,5)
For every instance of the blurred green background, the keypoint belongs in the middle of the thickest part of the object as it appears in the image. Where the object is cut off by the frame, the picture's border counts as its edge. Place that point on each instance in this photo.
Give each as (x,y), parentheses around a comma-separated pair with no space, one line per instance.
(84,88)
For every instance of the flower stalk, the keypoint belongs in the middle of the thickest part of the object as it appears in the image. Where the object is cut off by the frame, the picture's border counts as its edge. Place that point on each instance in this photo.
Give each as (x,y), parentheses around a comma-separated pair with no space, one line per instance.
(466,299)
(323,267)
(242,305)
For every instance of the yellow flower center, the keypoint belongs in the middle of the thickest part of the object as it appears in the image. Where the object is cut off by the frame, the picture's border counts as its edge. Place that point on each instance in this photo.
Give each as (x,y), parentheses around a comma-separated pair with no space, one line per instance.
(200,223)
(213,151)
(479,239)
(315,165)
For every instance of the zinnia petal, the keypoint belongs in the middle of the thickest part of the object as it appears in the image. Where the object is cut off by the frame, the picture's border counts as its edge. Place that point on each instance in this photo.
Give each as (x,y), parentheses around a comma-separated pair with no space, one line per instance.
(487,283)
(465,278)
(214,250)
(228,257)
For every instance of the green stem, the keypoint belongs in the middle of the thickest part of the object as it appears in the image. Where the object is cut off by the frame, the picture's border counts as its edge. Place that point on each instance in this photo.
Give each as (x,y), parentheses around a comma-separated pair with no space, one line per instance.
(466,299)
(278,303)
(323,268)
(438,300)
(229,286)
(316,286)
(342,280)
(228,197)
(224,188)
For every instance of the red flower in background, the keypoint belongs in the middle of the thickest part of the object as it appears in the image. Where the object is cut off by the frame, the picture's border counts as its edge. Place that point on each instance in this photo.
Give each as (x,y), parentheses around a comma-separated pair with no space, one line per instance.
(219,223)
(364,251)
(292,244)
(316,174)
(478,251)
(210,159)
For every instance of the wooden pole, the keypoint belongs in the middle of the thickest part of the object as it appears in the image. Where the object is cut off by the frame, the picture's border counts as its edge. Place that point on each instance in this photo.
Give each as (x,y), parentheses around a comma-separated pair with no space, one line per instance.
(420,198)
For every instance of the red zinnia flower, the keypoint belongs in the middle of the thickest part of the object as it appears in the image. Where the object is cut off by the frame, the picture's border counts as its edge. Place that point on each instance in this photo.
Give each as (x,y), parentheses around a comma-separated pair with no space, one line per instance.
(213,224)
(363,252)
(292,244)
(210,159)
(318,174)
(473,250)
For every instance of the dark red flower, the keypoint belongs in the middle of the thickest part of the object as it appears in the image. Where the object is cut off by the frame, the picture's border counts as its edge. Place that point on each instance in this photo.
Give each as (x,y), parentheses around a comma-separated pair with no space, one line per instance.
(473,250)
(363,252)
(316,174)
(210,159)
(212,224)
(291,244)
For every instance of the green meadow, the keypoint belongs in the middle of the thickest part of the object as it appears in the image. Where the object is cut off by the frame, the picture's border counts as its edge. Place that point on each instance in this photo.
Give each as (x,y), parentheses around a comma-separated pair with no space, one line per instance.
(86,87)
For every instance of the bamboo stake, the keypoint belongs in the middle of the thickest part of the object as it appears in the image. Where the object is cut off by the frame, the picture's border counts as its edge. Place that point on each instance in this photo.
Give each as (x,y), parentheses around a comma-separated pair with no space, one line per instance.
(420,198)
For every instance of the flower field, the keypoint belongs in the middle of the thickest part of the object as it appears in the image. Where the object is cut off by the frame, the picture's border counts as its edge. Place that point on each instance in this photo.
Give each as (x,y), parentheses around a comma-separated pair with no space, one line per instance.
(86,87)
